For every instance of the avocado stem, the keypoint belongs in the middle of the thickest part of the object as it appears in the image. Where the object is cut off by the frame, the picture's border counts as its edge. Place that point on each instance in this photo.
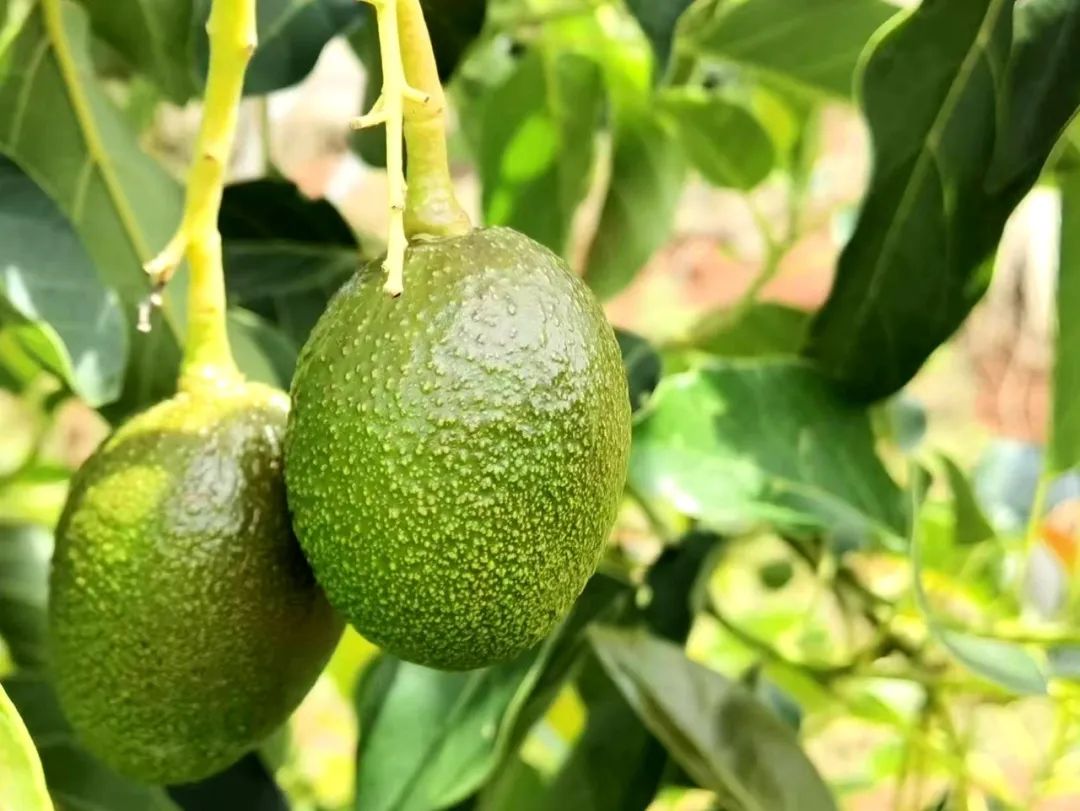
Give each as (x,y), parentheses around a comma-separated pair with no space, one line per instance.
(432,208)
(233,36)
(389,110)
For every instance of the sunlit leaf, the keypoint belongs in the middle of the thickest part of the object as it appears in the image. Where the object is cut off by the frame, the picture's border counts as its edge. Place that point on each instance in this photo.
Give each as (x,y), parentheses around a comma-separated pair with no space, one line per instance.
(971,525)
(22,782)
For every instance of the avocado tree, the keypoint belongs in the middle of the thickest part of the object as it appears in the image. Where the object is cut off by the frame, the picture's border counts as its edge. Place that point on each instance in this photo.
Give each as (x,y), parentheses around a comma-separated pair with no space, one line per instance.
(789,561)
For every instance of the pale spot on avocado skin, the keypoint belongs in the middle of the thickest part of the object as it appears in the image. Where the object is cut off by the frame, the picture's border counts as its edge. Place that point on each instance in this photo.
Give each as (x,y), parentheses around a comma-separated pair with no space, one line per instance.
(455,457)
(185,624)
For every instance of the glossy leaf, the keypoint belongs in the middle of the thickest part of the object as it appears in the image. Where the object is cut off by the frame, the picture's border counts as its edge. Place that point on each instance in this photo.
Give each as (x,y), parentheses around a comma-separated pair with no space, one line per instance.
(61,130)
(917,262)
(643,366)
(737,443)
(658,21)
(535,155)
(1063,450)
(24,574)
(1044,89)
(147,33)
(431,738)
(70,322)
(722,139)
(22,782)
(285,255)
(721,735)
(814,44)
(759,330)
(646,183)
(292,34)
(76,779)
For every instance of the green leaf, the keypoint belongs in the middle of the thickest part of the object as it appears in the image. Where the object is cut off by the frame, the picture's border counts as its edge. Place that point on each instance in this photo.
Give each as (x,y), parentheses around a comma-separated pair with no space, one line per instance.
(23,785)
(285,255)
(714,728)
(1044,89)
(934,95)
(262,351)
(658,21)
(759,330)
(737,443)
(453,25)
(24,585)
(76,779)
(247,785)
(814,44)
(971,526)
(61,129)
(535,152)
(723,140)
(369,143)
(69,321)
(292,34)
(1004,663)
(647,176)
(1063,449)
(146,33)
(431,738)
(643,366)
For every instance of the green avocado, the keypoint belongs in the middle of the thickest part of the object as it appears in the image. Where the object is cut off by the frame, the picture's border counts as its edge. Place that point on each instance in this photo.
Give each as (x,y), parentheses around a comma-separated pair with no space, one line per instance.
(185,624)
(455,457)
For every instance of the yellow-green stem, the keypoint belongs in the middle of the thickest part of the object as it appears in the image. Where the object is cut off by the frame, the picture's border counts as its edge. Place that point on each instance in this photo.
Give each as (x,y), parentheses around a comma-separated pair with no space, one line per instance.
(433,208)
(232,33)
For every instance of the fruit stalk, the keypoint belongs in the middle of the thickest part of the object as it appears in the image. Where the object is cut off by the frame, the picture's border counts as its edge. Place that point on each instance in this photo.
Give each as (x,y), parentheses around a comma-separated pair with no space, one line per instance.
(432,207)
(233,37)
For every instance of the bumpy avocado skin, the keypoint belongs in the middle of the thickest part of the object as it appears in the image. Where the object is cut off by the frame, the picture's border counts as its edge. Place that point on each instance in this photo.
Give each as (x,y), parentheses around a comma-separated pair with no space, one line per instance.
(185,623)
(455,457)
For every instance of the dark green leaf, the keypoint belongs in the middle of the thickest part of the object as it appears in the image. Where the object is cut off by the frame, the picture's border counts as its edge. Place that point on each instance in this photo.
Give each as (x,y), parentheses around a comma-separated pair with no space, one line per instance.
(150,36)
(453,25)
(1044,89)
(24,585)
(262,351)
(971,525)
(430,738)
(23,785)
(658,21)
(643,366)
(722,139)
(1063,450)
(245,785)
(61,129)
(812,43)
(934,95)
(759,330)
(647,176)
(737,443)
(76,779)
(285,255)
(535,153)
(369,143)
(70,322)
(717,731)
(292,34)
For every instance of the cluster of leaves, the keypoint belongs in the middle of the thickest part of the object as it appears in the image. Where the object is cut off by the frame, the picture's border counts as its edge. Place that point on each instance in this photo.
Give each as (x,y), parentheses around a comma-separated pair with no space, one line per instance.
(767,430)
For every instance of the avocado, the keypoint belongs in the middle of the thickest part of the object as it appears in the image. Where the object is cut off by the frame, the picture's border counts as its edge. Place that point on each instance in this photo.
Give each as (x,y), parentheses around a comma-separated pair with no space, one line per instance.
(185,624)
(455,457)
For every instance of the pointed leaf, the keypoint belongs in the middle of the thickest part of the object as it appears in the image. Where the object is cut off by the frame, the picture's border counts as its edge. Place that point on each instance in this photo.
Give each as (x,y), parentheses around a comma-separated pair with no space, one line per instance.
(971,527)
(23,785)
(61,130)
(934,94)
(658,21)
(721,735)
(1063,450)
